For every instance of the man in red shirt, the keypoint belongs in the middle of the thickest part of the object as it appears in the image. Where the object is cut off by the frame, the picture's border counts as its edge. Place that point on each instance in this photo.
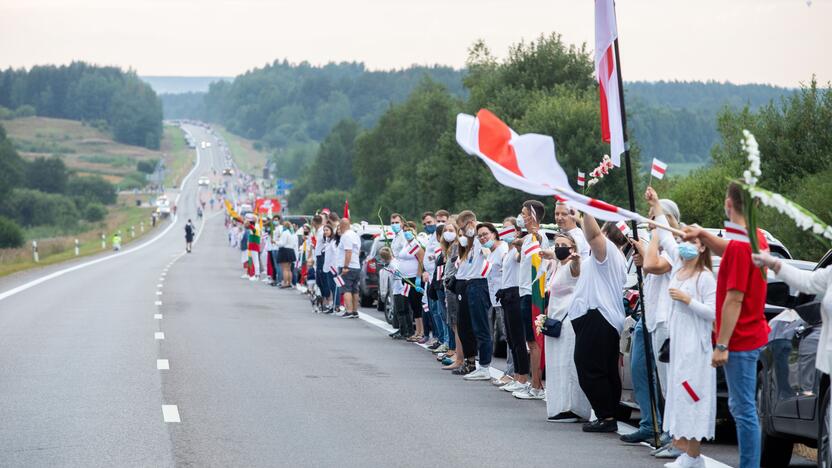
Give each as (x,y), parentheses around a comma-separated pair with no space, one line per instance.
(741,327)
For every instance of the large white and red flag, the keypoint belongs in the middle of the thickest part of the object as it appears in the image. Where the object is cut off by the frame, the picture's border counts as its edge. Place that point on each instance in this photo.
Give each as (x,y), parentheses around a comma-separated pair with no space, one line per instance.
(606,68)
(527,163)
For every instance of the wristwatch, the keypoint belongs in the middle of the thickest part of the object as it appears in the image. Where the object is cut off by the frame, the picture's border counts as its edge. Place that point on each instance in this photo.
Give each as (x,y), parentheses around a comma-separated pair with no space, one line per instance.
(721,347)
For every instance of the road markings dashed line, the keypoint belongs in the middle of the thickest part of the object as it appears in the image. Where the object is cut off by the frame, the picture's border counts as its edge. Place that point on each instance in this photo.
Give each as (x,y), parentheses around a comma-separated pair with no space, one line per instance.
(162,364)
(159,335)
(157,316)
(158,303)
(158,293)
(170,414)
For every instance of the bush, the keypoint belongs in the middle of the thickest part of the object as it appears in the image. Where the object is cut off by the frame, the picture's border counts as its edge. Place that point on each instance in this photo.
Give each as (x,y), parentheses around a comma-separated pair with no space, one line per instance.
(11,235)
(34,208)
(25,111)
(95,212)
(332,199)
(701,195)
(148,167)
(92,188)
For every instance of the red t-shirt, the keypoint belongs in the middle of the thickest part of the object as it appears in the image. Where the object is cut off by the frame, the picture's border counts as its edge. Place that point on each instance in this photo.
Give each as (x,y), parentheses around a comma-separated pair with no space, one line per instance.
(737,272)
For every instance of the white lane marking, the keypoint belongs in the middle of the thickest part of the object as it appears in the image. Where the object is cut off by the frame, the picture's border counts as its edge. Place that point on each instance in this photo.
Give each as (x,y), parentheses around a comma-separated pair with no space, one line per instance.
(33,283)
(158,293)
(157,316)
(623,428)
(162,364)
(170,413)
(158,303)
(159,335)
(159,285)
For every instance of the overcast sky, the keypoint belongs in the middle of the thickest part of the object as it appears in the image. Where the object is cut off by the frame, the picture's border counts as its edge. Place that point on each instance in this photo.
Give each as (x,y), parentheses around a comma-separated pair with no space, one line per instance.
(770,41)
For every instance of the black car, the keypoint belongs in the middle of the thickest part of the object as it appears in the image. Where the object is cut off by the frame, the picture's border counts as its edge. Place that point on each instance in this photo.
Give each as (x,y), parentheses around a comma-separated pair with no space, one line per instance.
(368,278)
(792,395)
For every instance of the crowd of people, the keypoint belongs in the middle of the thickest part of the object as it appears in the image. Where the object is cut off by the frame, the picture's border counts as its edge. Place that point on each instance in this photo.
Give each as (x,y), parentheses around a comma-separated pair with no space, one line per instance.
(453,273)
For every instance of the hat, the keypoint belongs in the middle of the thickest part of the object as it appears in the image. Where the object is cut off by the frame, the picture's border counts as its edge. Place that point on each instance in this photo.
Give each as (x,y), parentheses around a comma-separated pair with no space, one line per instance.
(670,207)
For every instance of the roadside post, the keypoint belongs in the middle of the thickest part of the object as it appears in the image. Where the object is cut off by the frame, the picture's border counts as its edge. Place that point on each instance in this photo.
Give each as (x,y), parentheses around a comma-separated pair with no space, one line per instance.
(132,232)
(35,251)
(141,226)
(77,248)
(103,241)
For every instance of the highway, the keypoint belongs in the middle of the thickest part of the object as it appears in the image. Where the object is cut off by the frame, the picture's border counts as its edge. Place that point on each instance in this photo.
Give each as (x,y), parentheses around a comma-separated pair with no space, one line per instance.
(156,358)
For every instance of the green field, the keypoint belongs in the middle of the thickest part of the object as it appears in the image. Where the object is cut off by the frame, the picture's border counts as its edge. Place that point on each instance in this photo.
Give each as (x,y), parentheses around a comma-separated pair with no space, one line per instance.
(56,247)
(248,159)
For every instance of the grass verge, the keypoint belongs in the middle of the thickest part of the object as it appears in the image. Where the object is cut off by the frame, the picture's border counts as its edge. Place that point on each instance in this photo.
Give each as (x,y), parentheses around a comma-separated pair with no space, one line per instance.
(248,159)
(178,157)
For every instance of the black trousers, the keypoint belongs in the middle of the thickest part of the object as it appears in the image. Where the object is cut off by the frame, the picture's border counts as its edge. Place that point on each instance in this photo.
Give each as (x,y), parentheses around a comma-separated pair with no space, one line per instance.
(401,307)
(463,326)
(414,300)
(515,337)
(596,360)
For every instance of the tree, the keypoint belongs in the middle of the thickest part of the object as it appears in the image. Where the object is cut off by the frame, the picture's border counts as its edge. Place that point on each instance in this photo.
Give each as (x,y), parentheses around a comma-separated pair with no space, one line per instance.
(92,188)
(47,175)
(11,165)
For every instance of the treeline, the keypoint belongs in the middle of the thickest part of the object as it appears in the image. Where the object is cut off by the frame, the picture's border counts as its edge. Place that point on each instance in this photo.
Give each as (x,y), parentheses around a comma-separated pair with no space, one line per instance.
(107,97)
(410,161)
(43,192)
(796,158)
(675,121)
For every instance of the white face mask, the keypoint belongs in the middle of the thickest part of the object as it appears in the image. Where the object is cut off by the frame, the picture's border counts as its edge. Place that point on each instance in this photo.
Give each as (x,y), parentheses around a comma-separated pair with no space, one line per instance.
(463,241)
(449,236)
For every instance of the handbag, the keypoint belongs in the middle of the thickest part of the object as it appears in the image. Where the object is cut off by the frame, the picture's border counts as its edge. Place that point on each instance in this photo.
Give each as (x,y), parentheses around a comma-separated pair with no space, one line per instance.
(551,327)
(664,351)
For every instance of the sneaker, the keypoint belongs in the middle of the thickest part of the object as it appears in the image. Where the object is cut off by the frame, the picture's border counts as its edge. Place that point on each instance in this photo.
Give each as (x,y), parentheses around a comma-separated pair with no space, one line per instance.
(480,374)
(686,461)
(447,361)
(464,370)
(668,451)
(530,393)
(601,425)
(244,276)
(443,348)
(637,437)
(391,335)
(350,315)
(252,278)
(513,386)
(435,346)
(565,417)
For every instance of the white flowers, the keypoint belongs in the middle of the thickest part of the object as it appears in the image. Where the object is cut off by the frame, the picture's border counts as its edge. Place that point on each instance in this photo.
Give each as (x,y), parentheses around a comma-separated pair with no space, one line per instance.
(802,217)
(599,172)
(749,145)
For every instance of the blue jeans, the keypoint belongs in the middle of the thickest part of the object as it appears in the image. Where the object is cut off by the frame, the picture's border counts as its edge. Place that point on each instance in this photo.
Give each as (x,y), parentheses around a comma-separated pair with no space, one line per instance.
(437,311)
(641,390)
(741,376)
(333,289)
(479,302)
(449,332)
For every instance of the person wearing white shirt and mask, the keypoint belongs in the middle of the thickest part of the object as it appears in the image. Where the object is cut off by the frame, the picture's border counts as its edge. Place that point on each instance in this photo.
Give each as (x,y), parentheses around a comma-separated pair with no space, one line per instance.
(565,217)
(399,300)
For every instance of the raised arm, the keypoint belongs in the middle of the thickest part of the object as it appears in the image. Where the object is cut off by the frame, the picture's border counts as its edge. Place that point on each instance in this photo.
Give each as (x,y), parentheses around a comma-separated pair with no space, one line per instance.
(595,238)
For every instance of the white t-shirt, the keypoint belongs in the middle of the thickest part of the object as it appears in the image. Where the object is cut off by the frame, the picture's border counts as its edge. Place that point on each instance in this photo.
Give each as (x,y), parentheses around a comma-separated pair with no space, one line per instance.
(429,261)
(408,263)
(510,266)
(657,300)
(601,286)
(473,265)
(330,255)
(319,241)
(349,241)
(495,278)
(524,278)
(580,242)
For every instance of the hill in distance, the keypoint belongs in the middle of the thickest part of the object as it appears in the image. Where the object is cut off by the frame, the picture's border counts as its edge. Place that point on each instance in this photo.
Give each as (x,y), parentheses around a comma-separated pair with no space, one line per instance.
(182,84)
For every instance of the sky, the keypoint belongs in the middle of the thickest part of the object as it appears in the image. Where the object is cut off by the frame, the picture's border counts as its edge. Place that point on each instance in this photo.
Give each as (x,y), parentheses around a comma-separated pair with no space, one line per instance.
(782,42)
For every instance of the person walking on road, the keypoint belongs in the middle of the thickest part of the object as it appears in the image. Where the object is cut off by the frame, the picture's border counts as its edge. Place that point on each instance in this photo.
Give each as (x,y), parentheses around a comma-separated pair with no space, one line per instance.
(189,236)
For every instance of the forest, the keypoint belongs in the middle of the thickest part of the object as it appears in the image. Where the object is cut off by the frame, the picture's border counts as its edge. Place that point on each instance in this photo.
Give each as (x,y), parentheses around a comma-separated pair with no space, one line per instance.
(105,97)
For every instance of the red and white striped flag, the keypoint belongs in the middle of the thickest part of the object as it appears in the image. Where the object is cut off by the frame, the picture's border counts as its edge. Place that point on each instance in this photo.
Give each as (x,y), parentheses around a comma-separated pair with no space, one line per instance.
(606,68)
(333,270)
(623,227)
(339,281)
(413,249)
(346,209)
(581,179)
(486,268)
(658,169)
(736,232)
(439,270)
(532,249)
(506,231)
(406,290)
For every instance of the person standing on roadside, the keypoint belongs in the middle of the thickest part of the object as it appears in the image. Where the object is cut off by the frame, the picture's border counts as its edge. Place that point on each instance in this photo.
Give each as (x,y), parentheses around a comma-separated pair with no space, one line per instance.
(350,245)
(189,235)
(509,297)
(399,300)
(741,326)
(566,219)
(597,314)
(432,251)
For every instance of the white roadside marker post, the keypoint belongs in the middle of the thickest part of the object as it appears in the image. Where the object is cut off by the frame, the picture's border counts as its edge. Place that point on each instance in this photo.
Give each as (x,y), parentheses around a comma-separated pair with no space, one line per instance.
(103,242)
(77,248)
(35,251)
(132,232)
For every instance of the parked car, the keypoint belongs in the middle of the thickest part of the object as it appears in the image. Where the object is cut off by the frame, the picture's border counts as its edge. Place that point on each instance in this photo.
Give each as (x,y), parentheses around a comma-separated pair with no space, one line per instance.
(368,277)
(792,395)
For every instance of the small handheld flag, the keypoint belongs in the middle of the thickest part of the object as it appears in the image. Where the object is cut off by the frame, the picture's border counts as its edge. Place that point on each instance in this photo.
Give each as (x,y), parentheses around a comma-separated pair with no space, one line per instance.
(658,169)
(581,179)
(622,226)
(339,281)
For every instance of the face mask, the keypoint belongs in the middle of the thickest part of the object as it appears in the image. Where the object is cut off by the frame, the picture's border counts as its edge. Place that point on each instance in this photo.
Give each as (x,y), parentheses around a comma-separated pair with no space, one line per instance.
(408,235)
(470,232)
(449,236)
(489,244)
(562,252)
(688,251)
(520,222)
(396,227)
(463,241)
(430,229)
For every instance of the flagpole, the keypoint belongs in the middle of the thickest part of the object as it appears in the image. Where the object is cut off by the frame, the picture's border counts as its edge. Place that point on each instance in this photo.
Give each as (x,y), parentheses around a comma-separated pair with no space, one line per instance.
(648,348)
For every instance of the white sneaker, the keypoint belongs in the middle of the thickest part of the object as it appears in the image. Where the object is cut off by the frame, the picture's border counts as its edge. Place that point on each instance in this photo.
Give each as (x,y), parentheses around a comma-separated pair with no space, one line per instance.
(530,394)
(252,278)
(513,386)
(480,374)
(244,276)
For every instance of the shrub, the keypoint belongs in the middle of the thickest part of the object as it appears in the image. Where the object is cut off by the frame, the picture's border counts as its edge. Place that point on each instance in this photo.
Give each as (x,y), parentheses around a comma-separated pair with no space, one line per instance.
(92,188)
(11,235)
(34,208)
(95,212)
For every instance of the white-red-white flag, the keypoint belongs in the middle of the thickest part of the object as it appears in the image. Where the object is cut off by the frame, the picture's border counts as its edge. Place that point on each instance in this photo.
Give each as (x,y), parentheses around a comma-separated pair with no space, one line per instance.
(658,169)
(581,179)
(734,231)
(623,227)
(606,68)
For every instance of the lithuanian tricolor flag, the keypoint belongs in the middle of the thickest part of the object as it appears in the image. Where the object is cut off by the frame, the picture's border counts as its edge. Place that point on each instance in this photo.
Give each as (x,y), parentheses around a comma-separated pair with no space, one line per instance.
(253,238)
(538,297)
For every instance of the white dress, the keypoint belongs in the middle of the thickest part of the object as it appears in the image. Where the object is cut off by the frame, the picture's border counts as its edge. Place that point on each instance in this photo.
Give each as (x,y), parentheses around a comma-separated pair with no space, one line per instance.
(690,408)
(563,393)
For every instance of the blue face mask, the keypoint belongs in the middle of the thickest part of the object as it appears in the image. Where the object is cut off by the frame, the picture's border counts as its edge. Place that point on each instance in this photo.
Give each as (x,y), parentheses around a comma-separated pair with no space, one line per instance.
(396,227)
(408,235)
(688,251)
(430,229)
(489,244)
(521,223)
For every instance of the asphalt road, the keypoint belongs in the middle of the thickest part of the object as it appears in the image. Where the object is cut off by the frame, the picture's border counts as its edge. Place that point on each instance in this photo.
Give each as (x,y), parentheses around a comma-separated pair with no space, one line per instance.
(253,377)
